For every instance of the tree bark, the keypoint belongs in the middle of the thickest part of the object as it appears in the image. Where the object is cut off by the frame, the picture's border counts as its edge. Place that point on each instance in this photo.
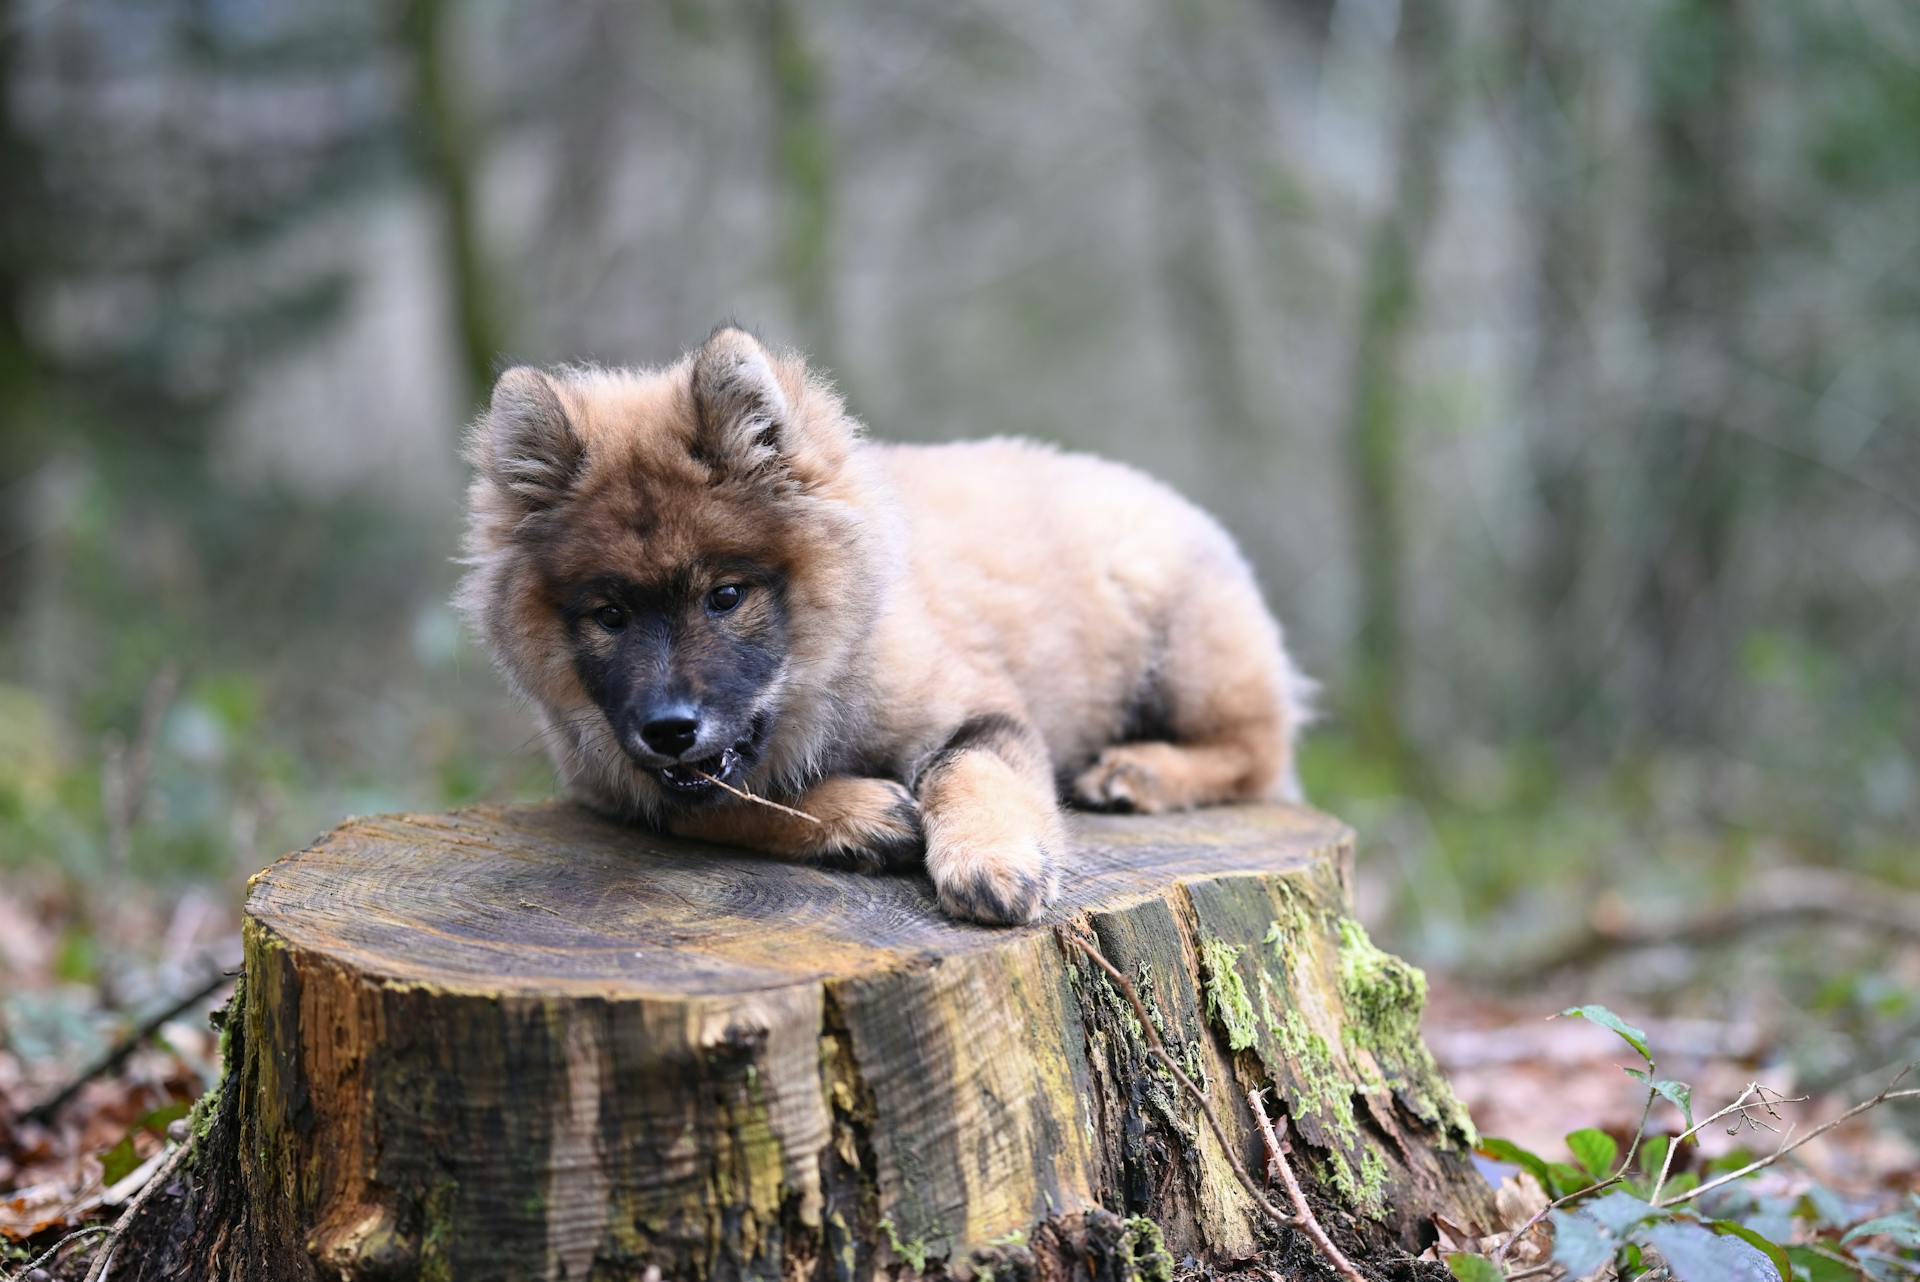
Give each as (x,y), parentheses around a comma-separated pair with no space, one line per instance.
(528,1043)
(1376,432)
(450,162)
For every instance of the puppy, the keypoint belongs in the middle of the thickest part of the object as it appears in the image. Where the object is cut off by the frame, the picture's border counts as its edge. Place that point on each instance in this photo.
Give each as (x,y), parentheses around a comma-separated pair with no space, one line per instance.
(705,575)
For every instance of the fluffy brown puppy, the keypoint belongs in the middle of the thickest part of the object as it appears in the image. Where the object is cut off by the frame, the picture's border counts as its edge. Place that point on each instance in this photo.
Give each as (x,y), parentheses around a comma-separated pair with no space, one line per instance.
(705,570)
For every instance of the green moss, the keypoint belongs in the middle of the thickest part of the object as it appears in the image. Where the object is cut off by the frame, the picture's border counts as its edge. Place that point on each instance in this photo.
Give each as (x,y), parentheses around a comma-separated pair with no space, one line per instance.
(200,1117)
(1147,1252)
(914,1252)
(1366,1191)
(1384,999)
(437,1237)
(1385,996)
(1321,1090)
(1227,1000)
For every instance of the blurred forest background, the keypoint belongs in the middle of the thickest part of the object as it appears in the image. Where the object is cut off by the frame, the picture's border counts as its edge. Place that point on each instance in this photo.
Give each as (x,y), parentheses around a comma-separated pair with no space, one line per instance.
(1556,362)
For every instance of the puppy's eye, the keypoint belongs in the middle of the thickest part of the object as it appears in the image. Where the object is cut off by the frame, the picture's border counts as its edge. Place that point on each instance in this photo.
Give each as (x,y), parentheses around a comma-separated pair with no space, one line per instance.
(610,617)
(725,597)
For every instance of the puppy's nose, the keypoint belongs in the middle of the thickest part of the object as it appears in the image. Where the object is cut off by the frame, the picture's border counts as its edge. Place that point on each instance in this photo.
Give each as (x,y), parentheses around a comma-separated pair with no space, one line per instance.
(671,731)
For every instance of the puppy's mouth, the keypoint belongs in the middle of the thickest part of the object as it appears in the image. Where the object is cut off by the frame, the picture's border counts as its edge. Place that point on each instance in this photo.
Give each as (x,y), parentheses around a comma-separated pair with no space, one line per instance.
(703,776)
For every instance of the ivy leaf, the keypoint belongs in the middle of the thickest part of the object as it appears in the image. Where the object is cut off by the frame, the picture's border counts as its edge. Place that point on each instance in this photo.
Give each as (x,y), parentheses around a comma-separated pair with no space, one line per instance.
(1771,1217)
(1567,1179)
(1903,1229)
(1758,1241)
(1580,1245)
(1830,1210)
(1618,1212)
(118,1162)
(1815,1267)
(1595,1150)
(1507,1151)
(1679,1094)
(1634,1037)
(1653,1154)
(1694,1254)
(1473,1268)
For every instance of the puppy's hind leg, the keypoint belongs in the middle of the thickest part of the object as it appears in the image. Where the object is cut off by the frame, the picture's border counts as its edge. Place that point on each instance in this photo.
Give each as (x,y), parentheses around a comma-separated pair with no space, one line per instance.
(1233,704)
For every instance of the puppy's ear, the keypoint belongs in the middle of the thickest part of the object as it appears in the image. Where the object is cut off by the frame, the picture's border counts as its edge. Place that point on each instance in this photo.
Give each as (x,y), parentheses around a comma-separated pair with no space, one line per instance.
(525,441)
(745,419)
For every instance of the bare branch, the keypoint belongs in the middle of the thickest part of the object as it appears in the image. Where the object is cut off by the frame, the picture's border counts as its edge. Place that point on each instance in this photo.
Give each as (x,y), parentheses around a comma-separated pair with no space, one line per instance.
(104,1260)
(1784,896)
(27,1269)
(1278,1165)
(1743,1106)
(1158,1049)
(46,1109)
(1886,1095)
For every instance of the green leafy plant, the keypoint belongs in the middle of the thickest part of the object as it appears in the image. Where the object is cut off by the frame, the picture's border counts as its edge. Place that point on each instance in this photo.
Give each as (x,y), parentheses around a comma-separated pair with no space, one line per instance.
(1632,1214)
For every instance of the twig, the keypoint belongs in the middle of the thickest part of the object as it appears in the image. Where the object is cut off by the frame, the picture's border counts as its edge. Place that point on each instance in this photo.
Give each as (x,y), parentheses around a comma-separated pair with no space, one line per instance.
(1886,1095)
(1159,1051)
(114,1058)
(1741,1106)
(1619,1173)
(1777,898)
(104,1259)
(92,1230)
(1277,1164)
(744,795)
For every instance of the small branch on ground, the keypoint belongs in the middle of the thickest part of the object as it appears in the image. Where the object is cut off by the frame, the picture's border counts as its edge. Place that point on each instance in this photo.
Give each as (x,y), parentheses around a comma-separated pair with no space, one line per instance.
(46,1256)
(1887,1094)
(1158,1050)
(1780,897)
(1756,1096)
(104,1259)
(1278,1165)
(48,1108)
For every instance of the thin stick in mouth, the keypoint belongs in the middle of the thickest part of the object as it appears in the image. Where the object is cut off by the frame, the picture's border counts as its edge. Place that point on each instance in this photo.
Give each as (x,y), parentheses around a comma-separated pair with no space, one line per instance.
(744,795)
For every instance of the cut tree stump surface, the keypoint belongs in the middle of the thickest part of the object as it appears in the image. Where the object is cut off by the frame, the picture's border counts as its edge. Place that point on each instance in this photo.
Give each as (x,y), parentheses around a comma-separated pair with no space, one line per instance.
(553,900)
(530,1043)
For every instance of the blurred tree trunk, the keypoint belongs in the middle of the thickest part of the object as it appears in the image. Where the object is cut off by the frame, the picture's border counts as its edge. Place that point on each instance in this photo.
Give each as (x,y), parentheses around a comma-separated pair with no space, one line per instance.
(20,373)
(1376,421)
(1559,139)
(803,170)
(450,159)
(1200,311)
(1690,478)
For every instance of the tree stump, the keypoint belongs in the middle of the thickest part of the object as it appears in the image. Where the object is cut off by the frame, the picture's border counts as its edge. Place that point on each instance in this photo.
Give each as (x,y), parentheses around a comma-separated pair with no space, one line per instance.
(530,1043)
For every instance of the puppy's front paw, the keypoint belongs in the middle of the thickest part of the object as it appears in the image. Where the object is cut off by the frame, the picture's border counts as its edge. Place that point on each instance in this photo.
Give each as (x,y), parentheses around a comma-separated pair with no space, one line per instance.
(868,825)
(999,887)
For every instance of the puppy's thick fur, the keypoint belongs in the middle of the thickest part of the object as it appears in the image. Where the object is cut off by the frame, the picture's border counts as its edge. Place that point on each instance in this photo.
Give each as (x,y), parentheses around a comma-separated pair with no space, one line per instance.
(707,570)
